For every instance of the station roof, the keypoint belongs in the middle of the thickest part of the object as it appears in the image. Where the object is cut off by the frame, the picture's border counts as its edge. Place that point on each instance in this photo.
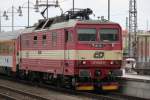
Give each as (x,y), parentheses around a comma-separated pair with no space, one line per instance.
(13,35)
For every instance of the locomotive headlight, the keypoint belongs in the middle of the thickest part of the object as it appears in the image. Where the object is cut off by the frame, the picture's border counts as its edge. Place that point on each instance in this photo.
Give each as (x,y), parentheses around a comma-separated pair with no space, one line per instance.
(112,62)
(110,73)
(96,45)
(83,62)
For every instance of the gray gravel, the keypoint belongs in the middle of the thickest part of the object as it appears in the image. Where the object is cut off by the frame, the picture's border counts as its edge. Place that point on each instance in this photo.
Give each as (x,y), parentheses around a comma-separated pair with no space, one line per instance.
(52,95)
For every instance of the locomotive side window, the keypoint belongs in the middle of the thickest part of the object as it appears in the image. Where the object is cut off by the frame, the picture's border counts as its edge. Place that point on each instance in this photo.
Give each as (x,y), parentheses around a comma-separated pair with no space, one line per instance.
(44,39)
(86,34)
(54,39)
(35,40)
(109,35)
(69,36)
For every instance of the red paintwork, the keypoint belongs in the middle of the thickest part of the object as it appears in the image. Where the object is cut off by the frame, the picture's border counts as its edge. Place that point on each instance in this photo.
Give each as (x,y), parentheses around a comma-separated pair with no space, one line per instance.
(58,66)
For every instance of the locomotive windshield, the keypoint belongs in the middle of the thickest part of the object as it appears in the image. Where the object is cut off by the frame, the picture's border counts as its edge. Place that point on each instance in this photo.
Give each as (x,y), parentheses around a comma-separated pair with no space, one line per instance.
(86,34)
(108,35)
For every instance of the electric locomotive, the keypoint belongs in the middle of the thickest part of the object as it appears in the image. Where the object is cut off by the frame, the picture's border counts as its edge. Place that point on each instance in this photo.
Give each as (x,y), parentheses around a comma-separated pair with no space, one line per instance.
(71,50)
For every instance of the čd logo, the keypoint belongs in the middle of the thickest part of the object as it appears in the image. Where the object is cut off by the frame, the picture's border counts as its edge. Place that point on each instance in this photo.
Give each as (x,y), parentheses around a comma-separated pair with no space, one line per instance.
(98,54)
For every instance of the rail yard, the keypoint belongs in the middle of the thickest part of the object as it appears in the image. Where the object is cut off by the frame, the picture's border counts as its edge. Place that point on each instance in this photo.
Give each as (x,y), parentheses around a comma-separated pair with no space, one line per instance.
(37,91)
(74,55)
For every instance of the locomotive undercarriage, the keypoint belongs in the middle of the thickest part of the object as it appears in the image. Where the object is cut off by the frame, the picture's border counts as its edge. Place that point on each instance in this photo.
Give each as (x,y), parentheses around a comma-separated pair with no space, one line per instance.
(67,81)
(48,78)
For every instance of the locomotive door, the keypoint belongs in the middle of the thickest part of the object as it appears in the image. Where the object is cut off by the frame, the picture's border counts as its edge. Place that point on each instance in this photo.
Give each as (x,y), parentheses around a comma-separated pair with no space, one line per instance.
(69,45)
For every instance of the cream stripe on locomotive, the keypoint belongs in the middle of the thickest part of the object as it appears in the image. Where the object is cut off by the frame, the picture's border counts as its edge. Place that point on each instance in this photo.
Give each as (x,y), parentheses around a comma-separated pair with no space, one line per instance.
(72,54)
(99,55)
(43,54)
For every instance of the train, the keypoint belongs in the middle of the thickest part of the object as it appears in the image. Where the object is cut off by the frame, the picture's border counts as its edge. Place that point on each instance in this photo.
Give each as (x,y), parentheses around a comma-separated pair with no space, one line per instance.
(70,50)
(143,54)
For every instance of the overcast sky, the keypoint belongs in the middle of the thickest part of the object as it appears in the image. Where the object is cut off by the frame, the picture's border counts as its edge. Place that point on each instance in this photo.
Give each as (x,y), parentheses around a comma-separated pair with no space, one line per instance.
(119,11)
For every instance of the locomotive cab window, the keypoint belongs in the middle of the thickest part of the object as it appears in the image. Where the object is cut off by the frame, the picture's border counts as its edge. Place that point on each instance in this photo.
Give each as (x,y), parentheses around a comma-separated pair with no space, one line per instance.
(86,34)
(108,35)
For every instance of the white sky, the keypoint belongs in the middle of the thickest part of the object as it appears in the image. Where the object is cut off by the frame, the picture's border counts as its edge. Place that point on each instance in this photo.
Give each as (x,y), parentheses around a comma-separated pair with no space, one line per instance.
(119,11)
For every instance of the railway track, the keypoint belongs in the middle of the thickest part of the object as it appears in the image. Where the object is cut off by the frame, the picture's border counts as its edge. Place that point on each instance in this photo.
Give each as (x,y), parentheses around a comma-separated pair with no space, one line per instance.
(6,97)
(95,96)
(125,97)
(10,93)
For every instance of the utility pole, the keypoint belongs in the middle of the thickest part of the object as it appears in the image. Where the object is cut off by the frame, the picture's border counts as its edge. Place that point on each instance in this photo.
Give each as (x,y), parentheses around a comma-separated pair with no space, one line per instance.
(147,25)
(73,6)
(108,10)
(127,24)
(132,28)
(28,13)
(0,22)
(126,36)
(12,18)
(47,8)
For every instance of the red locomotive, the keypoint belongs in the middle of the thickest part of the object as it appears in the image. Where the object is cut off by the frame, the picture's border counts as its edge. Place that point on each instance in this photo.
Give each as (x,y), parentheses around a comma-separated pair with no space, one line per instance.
(70,50)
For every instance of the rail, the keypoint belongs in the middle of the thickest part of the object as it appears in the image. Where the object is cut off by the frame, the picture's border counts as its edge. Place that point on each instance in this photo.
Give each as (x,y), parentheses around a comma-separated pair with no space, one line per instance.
(7,97)
(93,95)
(14,94)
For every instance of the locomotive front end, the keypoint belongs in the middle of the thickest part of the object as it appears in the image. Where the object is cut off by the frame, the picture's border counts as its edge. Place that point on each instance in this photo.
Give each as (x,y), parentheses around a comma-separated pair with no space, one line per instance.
(99,56)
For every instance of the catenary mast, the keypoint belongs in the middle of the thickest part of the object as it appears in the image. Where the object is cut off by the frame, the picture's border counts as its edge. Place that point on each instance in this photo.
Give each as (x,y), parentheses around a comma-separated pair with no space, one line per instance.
(132,28)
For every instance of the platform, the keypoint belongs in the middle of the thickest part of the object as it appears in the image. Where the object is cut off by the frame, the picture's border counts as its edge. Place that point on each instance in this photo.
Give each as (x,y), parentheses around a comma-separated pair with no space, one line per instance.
(135,85)
(136,77)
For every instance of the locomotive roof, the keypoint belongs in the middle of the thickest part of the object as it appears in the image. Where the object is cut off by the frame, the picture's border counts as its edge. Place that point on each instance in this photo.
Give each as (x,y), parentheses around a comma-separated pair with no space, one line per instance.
(73,22)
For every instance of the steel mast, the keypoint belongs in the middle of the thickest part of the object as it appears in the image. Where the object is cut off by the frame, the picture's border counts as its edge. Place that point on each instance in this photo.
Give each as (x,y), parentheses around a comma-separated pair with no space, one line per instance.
(132,28)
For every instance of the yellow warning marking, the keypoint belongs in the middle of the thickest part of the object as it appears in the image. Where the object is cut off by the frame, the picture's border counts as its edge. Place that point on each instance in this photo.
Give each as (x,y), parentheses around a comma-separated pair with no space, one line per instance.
(110,87)
(85,88)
